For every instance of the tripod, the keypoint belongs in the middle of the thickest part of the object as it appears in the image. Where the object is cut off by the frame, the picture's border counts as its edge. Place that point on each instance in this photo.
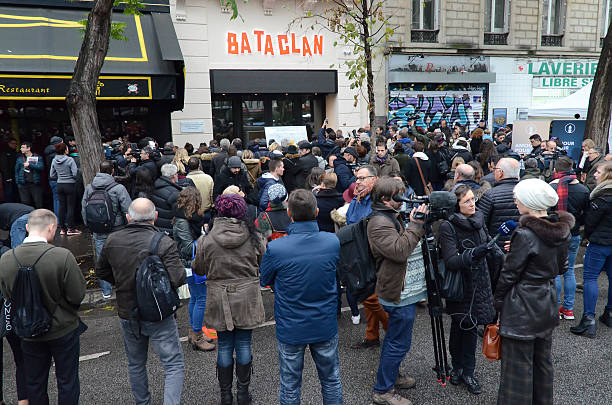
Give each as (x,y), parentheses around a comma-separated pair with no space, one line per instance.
(435,305)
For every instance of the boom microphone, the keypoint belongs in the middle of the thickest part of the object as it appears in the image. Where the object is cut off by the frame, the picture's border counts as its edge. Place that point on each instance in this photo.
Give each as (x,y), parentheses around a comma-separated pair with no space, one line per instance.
(504,229)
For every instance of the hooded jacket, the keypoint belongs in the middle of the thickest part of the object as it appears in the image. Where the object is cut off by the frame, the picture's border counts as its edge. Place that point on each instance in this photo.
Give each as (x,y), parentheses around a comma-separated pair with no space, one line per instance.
(164,197)
(229,257)
(598,218)
(64,169)
(305,290)
(49,151)
(526,294)
(263,184)
(119,196)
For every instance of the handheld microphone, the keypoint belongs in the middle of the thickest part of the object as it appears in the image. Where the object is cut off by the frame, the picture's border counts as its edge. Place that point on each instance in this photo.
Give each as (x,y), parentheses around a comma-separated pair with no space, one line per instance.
(504,229)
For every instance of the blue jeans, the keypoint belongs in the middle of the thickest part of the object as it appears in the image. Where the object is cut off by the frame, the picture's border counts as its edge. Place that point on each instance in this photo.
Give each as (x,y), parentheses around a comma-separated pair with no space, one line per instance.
(598,258)
(165,341)
(99,240)
(56,204)
(325,356)
(18,231)
(197,303)
(569,278)
(238,340)
(395,346)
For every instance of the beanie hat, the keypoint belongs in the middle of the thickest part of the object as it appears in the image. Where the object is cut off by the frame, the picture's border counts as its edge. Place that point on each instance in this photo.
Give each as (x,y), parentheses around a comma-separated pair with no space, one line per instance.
(277,194)
(234,162)
(536,194)
(231,206)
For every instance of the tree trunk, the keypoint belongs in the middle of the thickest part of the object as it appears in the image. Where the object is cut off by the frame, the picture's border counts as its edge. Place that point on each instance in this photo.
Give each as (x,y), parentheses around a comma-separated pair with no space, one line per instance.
(598,117)
(81,97)
(367,52)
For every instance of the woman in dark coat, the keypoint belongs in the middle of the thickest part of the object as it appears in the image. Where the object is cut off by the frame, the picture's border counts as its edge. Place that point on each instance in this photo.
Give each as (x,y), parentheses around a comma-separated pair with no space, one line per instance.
(526,295)
(328,199)
(463,243)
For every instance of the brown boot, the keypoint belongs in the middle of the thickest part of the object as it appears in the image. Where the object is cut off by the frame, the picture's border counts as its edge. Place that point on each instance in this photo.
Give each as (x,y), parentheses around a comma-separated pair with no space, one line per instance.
(190,336)
(199,343)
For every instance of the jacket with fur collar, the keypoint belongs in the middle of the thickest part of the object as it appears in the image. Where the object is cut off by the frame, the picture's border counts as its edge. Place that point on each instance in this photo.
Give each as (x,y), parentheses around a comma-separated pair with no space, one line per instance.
(526,294)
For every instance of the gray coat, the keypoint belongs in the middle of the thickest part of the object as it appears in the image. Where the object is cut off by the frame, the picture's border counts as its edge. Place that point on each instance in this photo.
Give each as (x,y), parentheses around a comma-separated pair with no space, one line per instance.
(119,196)
(64,168)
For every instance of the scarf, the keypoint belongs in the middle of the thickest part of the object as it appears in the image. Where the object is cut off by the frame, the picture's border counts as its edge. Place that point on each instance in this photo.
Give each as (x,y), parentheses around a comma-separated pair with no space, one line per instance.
(381,160)
(565,178)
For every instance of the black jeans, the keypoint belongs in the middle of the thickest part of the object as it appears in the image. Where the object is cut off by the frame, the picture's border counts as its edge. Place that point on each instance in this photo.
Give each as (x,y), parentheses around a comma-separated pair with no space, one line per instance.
(66,193)
(20,376)
(31,194)
(65,352)
(462,344)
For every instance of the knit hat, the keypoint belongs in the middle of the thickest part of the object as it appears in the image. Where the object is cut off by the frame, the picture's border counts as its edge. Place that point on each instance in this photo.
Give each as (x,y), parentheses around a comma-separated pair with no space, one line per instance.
(277,194)
(231,206)
(351,151)
(536,194)
(234,162)
(292,149)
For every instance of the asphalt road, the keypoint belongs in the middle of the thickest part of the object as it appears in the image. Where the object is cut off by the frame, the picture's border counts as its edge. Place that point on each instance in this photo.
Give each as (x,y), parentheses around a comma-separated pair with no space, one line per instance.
(583,367)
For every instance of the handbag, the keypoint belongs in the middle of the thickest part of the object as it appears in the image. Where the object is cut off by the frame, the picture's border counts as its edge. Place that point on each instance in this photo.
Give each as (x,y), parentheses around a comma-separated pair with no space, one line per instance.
(491,342)
(426,186)
(450,282)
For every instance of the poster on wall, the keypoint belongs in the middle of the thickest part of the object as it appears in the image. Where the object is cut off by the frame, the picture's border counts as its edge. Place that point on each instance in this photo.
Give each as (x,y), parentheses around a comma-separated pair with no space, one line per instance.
(522,130)
(465,107)
(500,117)
(570,132)
(292,134)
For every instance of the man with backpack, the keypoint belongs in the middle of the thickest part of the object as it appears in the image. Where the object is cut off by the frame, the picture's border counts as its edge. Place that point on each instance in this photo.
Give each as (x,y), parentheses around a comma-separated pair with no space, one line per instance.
(45,283)
(121,263)
(105,203)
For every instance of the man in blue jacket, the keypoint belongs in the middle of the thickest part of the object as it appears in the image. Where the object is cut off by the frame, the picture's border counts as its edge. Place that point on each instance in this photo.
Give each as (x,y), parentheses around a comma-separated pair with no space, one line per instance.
(27,175)
(305,300)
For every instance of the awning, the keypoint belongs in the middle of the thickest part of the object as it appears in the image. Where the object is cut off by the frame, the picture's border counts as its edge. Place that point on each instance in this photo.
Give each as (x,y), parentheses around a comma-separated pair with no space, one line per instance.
(441,77)
(40,46)
(230,81)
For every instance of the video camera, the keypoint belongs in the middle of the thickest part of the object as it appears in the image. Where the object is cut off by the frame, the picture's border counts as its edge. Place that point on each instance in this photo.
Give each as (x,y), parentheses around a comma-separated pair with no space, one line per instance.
(441,205)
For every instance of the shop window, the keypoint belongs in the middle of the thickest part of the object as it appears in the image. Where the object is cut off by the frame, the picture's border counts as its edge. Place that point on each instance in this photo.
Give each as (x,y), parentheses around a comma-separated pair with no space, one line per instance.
(553,20)
(606,18)
(424,21)
(496,22)
(223,119)
(253,118)
(282,112)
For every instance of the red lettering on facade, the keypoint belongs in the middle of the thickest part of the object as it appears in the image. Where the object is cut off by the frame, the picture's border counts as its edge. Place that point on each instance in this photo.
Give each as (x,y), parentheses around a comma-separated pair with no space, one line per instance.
(245,46)
(232,44)
(305,47)
(283,47)
(293,48)
(318,45)
(268,47)
(258,34)
(429,67)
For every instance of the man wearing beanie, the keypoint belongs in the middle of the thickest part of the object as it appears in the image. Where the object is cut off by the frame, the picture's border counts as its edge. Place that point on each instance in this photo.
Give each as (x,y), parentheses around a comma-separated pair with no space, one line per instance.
(232,175)
(526,295)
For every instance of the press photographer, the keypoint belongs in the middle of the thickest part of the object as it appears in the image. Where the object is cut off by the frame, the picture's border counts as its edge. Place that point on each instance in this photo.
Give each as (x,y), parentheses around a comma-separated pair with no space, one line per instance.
(144,159)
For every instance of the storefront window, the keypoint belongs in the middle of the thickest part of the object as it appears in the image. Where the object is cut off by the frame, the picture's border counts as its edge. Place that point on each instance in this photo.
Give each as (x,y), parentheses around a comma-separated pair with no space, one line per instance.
(553,17)
(253,118)
(223,122)
(424,14)
(282,112)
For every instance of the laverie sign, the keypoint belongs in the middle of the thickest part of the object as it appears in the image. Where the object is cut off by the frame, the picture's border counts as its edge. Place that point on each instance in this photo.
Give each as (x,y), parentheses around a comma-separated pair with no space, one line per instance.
(558,67)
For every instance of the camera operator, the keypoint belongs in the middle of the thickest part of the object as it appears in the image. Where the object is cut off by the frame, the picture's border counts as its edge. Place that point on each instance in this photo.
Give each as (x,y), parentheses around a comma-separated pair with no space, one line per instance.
(536,143)
(463,243)
(344,166)
(398,287)
(142,160)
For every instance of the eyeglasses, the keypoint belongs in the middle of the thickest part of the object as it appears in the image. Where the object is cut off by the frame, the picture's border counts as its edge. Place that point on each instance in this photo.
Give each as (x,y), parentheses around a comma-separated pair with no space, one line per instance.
(363,178)
(470,201)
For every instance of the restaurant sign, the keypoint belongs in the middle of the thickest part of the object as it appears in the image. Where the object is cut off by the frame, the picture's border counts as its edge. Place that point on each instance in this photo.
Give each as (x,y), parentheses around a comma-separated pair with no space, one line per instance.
(55,87)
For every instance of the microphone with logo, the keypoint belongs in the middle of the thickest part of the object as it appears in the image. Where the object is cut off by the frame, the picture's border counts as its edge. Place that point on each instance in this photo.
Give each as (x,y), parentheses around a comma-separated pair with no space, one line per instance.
(504,229)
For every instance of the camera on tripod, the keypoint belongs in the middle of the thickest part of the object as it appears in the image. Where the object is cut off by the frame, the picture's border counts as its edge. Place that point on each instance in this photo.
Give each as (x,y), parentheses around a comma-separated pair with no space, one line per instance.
(441,205)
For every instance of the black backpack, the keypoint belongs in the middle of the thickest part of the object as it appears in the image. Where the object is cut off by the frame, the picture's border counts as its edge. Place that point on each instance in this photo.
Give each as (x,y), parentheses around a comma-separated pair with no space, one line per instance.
(155,297)
(99,211)
(31,318)
(356,265)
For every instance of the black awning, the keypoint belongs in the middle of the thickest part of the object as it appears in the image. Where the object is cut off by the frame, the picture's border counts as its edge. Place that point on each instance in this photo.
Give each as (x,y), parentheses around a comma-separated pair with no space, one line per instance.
(40,46)
(274,81)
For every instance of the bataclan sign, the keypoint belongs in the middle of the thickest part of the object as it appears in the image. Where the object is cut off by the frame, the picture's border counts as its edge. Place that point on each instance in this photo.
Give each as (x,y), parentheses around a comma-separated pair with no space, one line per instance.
(273,44)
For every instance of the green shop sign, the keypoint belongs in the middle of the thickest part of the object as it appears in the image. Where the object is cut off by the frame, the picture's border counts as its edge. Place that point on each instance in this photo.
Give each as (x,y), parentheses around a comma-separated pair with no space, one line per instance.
(547,82)
(559,68)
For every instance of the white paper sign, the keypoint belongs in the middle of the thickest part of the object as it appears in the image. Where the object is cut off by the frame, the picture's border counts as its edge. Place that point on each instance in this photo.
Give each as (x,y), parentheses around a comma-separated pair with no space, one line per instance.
(192,127)
(292,134)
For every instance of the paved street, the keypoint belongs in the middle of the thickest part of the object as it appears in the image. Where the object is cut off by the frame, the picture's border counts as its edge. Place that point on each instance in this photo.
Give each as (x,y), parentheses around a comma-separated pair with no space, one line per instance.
(583,367)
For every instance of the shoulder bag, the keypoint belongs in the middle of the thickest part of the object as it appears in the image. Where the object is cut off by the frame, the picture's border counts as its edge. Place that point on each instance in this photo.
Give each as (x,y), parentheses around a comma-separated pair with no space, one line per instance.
(426,186)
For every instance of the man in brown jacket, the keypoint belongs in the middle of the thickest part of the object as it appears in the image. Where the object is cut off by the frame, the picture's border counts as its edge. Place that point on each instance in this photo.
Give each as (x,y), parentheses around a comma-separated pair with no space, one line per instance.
(399,286)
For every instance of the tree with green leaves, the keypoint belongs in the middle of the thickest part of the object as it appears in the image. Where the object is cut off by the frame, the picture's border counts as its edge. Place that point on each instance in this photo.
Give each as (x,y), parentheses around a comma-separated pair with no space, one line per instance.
(363,25)
(81,97)
(598,116)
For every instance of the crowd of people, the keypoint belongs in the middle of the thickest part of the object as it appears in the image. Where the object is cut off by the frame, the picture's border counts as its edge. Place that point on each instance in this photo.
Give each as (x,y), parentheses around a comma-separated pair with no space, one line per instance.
(222,219)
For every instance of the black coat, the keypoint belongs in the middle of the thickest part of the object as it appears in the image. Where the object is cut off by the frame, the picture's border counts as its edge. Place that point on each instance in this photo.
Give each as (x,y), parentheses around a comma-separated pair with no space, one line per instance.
(526,294)
(164,197)
(462,153)
(148,164)
(475,145)
(226,178)
(577,202)
(455,248)
(218,162)
(598,218)
(304,165)
(497,206)
(435,158)
(413,176)
(327,201)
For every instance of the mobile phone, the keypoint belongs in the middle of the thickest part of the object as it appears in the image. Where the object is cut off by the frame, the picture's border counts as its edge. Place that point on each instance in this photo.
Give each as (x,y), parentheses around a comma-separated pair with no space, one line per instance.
(326,121)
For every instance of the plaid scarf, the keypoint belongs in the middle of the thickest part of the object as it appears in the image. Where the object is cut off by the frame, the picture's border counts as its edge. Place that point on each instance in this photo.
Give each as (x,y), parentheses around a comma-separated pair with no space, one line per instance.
(565,178)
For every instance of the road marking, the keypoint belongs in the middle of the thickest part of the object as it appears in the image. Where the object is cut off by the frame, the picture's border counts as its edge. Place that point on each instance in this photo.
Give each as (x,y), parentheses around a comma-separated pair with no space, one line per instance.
(93,356)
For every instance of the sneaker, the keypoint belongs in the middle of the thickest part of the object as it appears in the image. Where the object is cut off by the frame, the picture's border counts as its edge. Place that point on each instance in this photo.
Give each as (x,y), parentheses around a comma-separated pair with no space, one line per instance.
(107,296)
(405,382)
(566,314)
(356,319)
(366,344)
(72,232)
(390,398)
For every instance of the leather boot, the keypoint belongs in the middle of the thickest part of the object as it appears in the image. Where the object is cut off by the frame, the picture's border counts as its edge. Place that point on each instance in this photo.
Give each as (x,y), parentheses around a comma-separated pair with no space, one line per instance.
(243,379)
(606,317)
(190,336)
(199,343)
(587,324)
(225,375)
